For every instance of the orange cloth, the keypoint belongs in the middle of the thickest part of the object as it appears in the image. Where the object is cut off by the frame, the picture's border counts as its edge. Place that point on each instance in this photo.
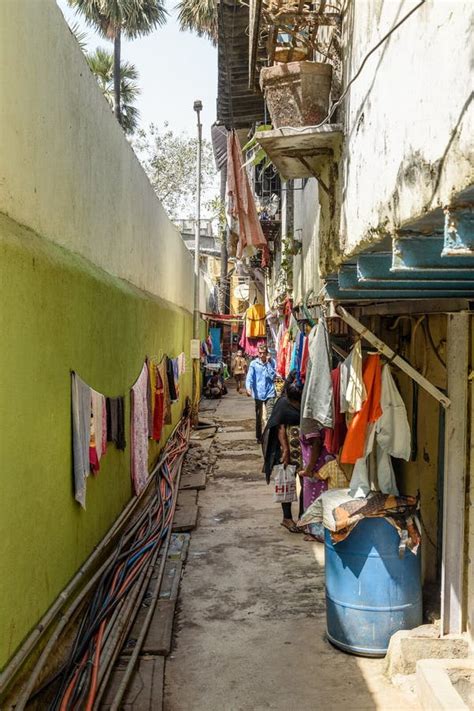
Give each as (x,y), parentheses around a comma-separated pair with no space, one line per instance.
(241,202)
(255,323)
(354,444)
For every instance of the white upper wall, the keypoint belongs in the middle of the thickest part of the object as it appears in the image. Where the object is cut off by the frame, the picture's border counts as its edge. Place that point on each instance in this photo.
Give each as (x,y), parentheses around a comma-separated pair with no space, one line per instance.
(306,228)
(66,170)
(408,117)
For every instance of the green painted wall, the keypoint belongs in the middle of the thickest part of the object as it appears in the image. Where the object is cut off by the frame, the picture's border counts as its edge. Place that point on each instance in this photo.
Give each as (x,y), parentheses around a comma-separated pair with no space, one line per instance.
(58,312)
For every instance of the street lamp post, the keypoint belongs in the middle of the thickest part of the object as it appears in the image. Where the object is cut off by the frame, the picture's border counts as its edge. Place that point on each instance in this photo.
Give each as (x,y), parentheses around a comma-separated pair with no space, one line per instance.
(197,227)
(197,238)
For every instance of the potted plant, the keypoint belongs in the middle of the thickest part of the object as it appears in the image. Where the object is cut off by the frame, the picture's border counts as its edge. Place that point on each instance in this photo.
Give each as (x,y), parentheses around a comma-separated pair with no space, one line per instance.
(297,93)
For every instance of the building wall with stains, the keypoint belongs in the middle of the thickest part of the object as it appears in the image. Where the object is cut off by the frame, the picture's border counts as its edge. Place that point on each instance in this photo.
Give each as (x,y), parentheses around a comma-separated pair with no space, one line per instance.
(306,230)
(407,119)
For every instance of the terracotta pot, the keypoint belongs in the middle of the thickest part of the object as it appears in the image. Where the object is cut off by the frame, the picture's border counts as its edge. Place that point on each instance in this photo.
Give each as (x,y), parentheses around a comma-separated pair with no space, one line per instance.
(297,93)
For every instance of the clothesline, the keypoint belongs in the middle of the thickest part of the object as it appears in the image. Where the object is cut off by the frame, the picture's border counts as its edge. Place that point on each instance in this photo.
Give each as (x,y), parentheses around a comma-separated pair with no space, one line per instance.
(97,419)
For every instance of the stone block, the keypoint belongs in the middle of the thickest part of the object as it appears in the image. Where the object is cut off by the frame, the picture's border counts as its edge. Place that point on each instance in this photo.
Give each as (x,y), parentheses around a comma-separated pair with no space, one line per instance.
(445,684)
(407,647)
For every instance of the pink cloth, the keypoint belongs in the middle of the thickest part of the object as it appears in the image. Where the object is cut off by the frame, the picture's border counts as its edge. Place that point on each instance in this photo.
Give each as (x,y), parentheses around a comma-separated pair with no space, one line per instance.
(139,431)
(241,202)
(250,345)
(104,428)
(312,489)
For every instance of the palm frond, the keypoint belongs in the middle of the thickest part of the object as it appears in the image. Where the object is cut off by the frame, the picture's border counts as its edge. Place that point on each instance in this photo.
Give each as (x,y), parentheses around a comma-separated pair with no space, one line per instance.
(132,17)
(80,35)
(199,16)
(101,64)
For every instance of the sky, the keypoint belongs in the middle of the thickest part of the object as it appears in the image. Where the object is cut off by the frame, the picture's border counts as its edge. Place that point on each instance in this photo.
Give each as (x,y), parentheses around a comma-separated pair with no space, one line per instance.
(175,68)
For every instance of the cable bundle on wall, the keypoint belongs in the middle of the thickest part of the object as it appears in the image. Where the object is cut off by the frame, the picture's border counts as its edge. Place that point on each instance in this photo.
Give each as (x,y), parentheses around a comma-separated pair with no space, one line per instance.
(115,595)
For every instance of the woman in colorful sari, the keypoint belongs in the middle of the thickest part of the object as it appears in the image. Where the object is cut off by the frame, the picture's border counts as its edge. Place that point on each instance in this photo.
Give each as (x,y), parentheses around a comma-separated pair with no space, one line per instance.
(314,455)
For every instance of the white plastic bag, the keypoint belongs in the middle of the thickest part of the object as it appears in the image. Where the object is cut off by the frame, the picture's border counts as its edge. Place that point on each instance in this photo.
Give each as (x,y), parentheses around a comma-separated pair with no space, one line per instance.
(285,483)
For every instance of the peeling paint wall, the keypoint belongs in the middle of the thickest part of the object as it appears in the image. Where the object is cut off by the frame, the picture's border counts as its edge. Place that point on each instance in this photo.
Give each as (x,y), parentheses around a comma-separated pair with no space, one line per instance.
(408,117)
(306,228)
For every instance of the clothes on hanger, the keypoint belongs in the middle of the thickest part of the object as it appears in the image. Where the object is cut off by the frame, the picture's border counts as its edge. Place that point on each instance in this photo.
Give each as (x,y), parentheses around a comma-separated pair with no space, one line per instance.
(371,410)
(353,391)
(317,398)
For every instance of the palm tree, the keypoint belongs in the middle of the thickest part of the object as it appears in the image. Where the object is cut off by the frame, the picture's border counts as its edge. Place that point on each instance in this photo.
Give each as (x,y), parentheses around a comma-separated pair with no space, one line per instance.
(199,16)
(101,64)
(112,18)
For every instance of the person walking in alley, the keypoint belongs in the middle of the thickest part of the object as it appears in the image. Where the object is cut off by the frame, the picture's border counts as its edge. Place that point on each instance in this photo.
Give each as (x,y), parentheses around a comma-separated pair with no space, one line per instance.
(239,369)
(260,384)
(280,443)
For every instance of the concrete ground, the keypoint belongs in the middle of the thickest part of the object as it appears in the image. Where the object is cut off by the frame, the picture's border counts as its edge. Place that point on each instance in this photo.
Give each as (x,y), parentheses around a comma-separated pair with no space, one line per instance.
(250,632)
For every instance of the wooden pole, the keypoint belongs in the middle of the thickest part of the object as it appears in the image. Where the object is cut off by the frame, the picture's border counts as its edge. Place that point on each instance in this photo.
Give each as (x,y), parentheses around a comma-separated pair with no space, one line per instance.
(455,456)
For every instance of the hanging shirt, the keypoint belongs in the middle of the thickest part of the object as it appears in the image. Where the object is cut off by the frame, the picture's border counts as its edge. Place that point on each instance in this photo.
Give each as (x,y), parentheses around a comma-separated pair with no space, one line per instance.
(261,379)
(389,437)
(316,401)
(357,433)
(356,392)
(255,321)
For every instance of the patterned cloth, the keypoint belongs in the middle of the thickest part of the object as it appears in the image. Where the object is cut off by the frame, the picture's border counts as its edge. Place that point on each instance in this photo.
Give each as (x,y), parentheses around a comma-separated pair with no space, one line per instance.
(340,513)
(293,437)
(81,421)
(312,490)
(139,431)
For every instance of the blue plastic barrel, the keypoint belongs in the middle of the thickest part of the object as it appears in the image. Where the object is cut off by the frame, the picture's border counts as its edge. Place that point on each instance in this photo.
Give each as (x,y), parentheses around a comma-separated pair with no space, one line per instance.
(371,592)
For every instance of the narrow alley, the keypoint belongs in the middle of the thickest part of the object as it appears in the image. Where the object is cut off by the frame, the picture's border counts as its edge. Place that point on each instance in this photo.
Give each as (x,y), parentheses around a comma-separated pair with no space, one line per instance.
(250,632)
(207,196)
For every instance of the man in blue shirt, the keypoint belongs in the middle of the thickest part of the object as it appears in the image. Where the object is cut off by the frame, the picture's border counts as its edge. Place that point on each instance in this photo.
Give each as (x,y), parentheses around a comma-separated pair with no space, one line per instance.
(260,384)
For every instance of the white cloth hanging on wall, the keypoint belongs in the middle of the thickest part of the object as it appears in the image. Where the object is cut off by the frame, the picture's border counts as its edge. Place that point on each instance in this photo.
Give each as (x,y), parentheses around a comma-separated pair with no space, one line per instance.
(317,398)
(356,393)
